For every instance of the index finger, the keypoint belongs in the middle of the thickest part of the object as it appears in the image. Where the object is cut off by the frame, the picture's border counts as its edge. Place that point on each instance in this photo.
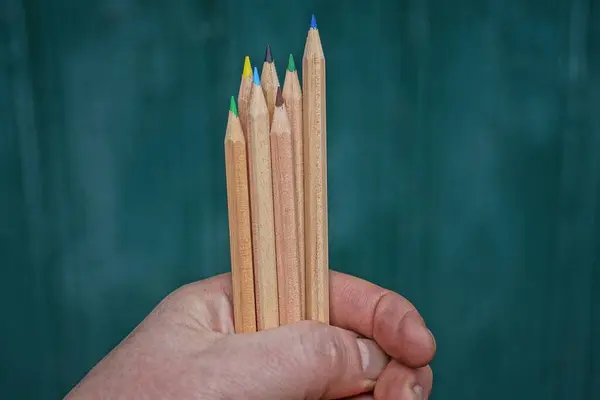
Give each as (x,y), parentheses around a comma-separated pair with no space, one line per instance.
(382,315)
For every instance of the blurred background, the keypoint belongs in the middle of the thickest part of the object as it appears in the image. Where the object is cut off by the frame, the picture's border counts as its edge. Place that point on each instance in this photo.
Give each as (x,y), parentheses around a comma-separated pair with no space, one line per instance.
(464,172)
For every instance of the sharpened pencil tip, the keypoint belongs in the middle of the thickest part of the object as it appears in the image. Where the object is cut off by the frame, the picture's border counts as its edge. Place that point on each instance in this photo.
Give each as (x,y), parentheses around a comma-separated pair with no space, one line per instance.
(313,22)
(247,71)
(233,107)
(256,77)
(291,64)
(279,98)
(268,55)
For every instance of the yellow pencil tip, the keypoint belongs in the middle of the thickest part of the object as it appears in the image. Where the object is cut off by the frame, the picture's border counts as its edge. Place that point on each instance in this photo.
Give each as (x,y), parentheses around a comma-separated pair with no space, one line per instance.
(247,72)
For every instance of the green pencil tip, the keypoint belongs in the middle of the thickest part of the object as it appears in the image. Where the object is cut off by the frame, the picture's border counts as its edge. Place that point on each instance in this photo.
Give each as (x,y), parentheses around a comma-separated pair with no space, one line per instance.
(233,107)
(291,64)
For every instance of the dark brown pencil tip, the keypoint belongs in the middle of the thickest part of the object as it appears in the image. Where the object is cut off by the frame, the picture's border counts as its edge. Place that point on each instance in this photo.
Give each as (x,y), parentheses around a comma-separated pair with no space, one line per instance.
(279,98)
(268,55)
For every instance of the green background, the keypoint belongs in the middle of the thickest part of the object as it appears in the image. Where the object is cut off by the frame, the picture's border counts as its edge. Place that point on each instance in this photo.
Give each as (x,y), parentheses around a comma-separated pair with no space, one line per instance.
(464,172)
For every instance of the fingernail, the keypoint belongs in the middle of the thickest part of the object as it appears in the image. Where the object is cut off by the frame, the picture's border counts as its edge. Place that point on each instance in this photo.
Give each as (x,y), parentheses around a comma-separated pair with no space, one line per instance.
(373,358)
(419,393)
(432,338)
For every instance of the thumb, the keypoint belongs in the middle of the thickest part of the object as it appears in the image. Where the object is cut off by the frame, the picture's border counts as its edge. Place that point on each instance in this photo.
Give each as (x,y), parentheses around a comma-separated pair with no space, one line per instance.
(306,360)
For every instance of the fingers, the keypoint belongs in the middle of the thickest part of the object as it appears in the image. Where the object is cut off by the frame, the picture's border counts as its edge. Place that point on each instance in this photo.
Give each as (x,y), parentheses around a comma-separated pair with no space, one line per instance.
(307,360)
(364,308)
(400,382)
(425,380)
(383,315)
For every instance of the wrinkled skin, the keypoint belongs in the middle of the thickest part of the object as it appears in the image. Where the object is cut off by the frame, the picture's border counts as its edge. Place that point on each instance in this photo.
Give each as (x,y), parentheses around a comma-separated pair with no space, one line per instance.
(376,347)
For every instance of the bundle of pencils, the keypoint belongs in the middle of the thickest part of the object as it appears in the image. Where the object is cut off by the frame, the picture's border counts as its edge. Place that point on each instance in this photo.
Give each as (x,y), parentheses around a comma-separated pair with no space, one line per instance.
(276,169)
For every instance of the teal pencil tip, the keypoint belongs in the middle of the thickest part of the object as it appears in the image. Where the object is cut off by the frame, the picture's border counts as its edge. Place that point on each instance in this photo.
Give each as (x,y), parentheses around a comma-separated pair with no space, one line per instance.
(256,77)
(313,22)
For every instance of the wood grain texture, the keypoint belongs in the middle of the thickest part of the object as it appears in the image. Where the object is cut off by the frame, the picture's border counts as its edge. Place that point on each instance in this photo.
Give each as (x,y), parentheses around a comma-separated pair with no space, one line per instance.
(244,101)
(269,82)
(292,95)
(261,203)
(286,231)
(240,238)
(315,180)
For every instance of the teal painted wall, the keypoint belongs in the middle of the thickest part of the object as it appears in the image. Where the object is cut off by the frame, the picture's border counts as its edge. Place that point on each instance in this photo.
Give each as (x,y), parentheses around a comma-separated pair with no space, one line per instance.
(464,172)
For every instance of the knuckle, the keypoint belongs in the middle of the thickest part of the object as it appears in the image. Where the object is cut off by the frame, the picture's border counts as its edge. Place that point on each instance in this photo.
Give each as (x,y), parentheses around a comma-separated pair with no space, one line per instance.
(194,302)
(323,345)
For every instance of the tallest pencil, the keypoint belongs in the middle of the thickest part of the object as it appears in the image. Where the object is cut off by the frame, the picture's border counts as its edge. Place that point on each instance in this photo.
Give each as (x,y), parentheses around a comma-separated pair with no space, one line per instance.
(315,178)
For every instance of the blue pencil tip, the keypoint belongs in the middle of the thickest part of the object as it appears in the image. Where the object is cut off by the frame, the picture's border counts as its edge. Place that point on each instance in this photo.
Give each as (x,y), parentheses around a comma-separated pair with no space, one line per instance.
(313,22)
(256,77)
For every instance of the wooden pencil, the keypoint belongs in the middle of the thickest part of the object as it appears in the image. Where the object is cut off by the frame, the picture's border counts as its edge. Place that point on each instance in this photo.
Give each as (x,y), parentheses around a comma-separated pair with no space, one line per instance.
(244,94)
(269,81)
(261,204)
(286,231)
(240,239)
(292,96)
(243,106)
(315,177)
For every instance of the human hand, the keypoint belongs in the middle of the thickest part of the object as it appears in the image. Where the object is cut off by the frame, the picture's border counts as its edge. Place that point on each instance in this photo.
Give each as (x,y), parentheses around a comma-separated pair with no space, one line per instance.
(186,349)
